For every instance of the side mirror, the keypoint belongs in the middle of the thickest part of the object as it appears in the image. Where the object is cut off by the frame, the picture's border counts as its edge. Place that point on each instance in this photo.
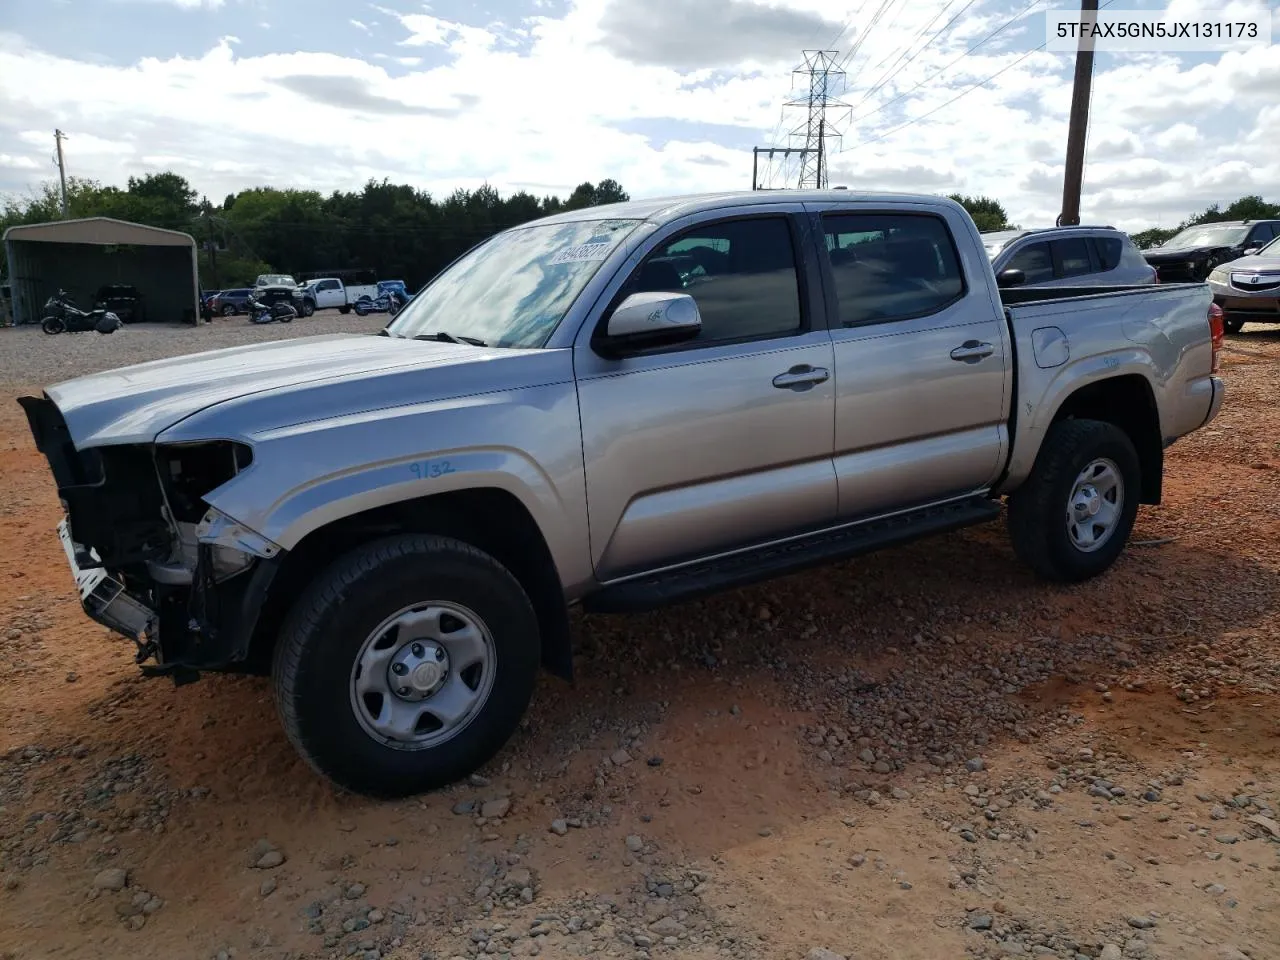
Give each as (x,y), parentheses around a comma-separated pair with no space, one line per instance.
(1249,251)
(1010,278)
(649,320)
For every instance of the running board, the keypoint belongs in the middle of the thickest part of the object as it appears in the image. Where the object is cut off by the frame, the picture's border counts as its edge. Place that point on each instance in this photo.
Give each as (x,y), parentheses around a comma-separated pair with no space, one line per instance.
(765,563)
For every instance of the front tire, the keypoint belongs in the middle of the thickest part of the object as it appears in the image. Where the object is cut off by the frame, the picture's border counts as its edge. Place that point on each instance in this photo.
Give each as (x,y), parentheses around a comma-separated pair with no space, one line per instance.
(308,308)
(52,325)
(1071,518)
(1232,324)
(406,665)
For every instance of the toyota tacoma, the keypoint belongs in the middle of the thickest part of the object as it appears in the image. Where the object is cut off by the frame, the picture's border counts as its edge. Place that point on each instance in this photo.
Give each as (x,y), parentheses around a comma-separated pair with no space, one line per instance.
(617,408)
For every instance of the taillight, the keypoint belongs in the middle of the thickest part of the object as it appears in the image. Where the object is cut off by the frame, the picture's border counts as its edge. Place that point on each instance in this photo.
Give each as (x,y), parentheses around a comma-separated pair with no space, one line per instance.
(1217,333)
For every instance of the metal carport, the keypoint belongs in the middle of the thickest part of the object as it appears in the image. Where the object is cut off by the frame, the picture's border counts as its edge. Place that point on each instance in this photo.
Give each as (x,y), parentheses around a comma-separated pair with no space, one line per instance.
(79,256)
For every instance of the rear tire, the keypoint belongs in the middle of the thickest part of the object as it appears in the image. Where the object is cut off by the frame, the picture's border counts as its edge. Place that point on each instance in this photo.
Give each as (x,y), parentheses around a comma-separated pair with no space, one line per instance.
(1071,518)
(52,325)
(359,631)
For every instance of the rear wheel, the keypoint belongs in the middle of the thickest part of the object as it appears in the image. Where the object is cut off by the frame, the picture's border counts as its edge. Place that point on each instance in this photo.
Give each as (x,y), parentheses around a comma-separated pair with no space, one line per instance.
(52,325)
(228,310)
(406,665)
(1072,516)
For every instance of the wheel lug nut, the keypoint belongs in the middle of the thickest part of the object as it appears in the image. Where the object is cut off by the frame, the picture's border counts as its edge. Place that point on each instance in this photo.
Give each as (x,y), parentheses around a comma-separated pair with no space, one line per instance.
(417,650)
(403,691)
(439,653)
(399,669)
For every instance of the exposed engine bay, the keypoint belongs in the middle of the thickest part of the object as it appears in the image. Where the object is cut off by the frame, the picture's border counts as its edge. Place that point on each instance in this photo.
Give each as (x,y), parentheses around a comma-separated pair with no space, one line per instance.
(152,560)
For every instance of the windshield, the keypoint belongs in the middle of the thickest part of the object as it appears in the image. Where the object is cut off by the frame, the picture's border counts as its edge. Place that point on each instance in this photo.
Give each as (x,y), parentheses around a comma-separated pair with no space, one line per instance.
(275,280)
(1207,237)
(514,289)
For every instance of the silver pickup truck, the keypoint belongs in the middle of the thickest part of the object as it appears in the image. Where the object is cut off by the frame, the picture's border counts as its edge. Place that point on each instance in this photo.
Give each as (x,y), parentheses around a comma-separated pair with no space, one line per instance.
(618,408)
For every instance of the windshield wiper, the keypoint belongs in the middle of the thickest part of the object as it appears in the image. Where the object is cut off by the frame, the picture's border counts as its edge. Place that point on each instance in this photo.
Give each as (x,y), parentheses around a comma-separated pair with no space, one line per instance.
(445,337)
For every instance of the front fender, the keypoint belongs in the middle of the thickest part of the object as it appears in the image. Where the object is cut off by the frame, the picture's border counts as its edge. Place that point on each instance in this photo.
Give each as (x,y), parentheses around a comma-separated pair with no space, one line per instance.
(525,442)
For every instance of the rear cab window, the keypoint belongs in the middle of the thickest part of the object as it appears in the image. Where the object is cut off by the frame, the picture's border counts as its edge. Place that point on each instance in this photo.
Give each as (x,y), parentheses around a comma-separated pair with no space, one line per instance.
(891,266)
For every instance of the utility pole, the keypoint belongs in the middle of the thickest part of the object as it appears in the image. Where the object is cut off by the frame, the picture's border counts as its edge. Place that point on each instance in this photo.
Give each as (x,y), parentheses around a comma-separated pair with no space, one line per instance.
(58,137)
(1073,177)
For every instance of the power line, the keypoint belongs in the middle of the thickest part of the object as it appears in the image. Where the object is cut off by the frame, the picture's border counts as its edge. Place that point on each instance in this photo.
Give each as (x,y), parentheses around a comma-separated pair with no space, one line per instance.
(1004,26)
(897,67)
(962,93)
(870,28)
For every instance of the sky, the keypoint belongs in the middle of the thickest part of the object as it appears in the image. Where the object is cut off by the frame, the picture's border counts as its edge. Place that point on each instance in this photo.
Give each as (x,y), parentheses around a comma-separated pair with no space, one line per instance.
(664,96)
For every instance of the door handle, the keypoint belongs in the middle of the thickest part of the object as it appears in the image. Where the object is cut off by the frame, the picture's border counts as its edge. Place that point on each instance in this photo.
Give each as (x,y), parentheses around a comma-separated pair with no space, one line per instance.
(972,351)
(800,376)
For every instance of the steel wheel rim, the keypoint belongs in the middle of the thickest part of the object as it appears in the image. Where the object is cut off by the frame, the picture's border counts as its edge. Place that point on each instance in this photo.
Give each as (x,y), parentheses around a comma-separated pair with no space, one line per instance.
(423,675)
(1095,505)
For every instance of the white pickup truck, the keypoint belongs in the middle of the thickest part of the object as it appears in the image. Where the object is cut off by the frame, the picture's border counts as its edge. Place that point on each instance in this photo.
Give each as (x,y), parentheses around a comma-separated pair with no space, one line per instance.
(328,292)
(618,408)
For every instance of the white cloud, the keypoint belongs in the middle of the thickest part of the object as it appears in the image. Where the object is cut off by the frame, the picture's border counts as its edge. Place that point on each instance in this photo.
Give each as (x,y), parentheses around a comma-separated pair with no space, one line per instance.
(358,25)
(555,100)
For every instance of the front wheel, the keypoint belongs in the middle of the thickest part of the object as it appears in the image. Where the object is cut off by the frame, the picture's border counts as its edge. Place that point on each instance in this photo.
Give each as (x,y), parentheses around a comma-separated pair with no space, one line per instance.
(308,308)
(406,665)
(52,325)
(1072,516)
(1232,324)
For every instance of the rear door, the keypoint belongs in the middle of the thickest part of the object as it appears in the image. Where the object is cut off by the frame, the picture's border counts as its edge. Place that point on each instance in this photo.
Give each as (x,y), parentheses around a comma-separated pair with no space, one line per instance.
(922,357)
(724,441)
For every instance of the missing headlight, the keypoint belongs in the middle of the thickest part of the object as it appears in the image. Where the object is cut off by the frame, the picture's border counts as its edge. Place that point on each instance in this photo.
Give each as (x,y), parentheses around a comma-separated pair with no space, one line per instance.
(190,470)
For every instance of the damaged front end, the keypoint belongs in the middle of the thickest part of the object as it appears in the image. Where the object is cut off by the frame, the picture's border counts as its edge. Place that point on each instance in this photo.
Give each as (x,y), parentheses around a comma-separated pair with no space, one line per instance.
(151,559)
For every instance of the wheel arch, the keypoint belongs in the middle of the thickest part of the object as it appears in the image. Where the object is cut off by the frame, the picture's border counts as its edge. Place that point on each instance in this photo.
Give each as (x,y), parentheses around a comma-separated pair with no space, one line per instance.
(1127,401)
(488,518)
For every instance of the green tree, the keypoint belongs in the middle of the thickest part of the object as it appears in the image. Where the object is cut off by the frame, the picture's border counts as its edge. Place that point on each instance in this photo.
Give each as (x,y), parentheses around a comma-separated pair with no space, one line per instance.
(1252,207)
(1152,237)
(987,213)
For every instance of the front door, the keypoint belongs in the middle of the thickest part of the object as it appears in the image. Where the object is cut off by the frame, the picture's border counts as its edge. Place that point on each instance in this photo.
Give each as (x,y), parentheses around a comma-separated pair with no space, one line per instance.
(723,441)
(922,362)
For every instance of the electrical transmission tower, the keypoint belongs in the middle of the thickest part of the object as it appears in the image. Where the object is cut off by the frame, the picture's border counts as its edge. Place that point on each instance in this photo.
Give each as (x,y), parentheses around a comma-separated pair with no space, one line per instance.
(823,115)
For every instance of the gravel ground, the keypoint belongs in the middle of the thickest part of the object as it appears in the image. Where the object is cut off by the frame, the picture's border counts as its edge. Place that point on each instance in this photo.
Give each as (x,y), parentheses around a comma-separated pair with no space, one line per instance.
(920,754)
(28,355)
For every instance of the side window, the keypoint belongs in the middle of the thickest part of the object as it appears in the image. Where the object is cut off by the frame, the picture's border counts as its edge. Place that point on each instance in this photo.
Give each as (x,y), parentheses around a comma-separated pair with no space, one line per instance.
(741,273)
(891,266)
(1034,261)
(1262,234)
(1073,256)
(1109,251)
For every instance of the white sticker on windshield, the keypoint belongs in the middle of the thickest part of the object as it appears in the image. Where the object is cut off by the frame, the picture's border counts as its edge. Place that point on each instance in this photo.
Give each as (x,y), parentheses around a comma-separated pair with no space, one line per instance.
(592,250)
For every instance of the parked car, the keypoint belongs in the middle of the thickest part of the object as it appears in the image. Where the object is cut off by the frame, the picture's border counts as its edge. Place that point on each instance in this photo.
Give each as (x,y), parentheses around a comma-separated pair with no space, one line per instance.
(228,303)
(1248,289)
(122,299)
(328,292)
(395,526)
(1067,257)
(1196,251)
(272,288)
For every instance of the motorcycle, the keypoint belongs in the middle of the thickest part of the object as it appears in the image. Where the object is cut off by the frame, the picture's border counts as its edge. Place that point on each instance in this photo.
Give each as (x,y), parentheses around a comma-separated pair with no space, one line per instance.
(260,312)
(61,314)
(389,302)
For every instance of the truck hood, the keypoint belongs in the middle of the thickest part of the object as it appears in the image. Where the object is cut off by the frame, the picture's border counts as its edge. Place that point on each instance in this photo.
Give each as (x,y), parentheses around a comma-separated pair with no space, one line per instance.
(134,404)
